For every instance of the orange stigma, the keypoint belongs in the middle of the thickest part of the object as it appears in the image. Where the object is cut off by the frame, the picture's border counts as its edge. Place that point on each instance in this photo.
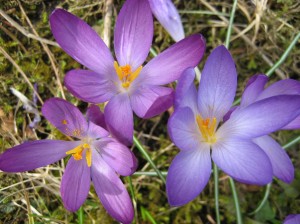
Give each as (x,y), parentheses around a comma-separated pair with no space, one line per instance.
(77,153)
(207,128)
(125,74)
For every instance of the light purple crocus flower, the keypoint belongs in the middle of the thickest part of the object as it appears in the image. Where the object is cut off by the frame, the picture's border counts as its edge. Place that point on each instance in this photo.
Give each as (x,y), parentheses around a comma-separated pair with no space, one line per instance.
(95,156)
(125,83)
(292,219)
(197,130)
(167,14)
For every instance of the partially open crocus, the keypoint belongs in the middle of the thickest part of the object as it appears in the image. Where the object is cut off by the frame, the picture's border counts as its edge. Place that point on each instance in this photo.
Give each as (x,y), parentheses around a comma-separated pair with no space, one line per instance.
(95,156)
(197,130)
(125,82)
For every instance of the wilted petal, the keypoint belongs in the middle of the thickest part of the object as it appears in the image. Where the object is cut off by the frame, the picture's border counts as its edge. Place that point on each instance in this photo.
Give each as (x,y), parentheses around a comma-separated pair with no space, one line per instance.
(95,131)
(119,118)
(292,219)
(166,13)
(34,154)
(281,163)
(149,101)
(253,88)
(133,33)
(117,156)
(75,184)
(188,175)
(65,117)
(111,191)
(262,117)
(183,129)
(243,160)
(95,115)
(89,86)
(169,65)
(81,42)
(218,84)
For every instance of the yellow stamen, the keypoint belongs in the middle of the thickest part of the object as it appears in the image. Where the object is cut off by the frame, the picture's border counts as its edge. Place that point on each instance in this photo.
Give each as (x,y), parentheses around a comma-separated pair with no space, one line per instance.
(125,74)
(77,153)
(207,128)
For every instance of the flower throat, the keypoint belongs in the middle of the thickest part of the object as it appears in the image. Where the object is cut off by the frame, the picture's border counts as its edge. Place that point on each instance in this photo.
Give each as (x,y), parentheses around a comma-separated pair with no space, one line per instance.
(125,74)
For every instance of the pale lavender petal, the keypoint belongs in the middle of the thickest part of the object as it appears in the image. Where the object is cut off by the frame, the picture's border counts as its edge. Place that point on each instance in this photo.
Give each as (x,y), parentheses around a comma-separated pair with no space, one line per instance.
(90,86)
(218,84)
(119,118)
(243,160)
(169,65)
(188,175)
(228,114)
(34,154)
(149,101)
(183,129)
(65,117)
(95,131)
(166,13)
(111,191)
(95,115)
(292,219)
(75,184)
(262,117)
(186,93)
(81,42)
(282,165)
(117,156)
(293,125)
(254,87)
(133,33)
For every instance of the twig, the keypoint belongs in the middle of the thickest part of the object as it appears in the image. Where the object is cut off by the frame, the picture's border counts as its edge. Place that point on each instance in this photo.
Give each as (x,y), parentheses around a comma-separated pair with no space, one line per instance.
(107,22)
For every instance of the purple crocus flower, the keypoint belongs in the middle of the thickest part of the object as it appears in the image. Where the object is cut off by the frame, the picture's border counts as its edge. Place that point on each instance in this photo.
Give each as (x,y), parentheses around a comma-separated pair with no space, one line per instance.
(197,130)
(95,156)
(292,219)
(125,83)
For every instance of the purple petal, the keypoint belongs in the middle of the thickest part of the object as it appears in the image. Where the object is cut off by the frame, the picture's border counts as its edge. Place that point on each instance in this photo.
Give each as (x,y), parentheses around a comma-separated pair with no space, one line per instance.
(183,129)
(262,117)
(253,88)
(90,86)
(188,175)
(281,163)
(133,33)
(34,154)
(75,184)
(111,191)
(292,219)
(243,160)
(186,93)
(95,131)
(119,118)
(218,84)
(81,42)
(95,115)
(65,117)
(166,13)
(169,65)
(228,114)
(149,101)
(117,156)
(293,125)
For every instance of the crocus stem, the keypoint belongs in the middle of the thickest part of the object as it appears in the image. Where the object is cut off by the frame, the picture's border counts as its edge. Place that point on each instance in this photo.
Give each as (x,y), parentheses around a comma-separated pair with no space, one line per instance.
(80,215)
(143,151)
(133,198)
(229,29)
(236,201)
(216,181)
(293,142)
(263,201)
(150,173)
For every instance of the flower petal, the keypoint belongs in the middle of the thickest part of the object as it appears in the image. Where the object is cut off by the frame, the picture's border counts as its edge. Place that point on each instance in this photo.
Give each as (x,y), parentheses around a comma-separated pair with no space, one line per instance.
(292,219)
(243,160)
(218,84)
(65,117)
(294,124)
(262,117)
(169,65)
(111,191)
(95,115)
(183,129)
(117,156)
(166,13)
(34,154)
(188,175)
(75,184)
(186,93)
(149,101)
(89,86)
(81,42)
(254,87)
(281,162)
(133,33)
(119,118)
(95,131)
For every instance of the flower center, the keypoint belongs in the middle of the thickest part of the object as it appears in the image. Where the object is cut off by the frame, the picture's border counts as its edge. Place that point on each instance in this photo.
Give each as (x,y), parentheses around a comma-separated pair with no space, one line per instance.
(125,74)
(207,128)
(77,153)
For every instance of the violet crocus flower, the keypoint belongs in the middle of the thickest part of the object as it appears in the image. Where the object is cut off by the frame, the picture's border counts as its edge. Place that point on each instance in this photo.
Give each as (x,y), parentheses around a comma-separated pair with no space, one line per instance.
(125,83)
(292,219)
(95,156)
(197,130)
